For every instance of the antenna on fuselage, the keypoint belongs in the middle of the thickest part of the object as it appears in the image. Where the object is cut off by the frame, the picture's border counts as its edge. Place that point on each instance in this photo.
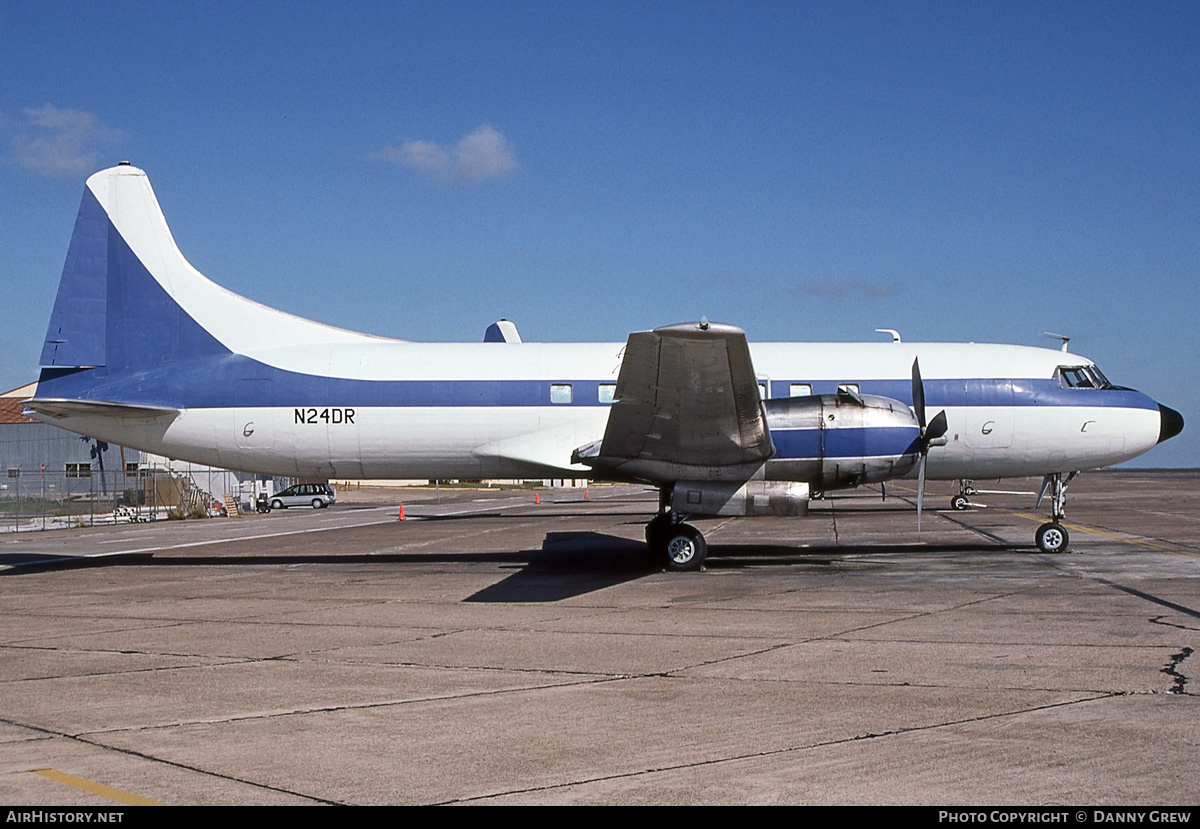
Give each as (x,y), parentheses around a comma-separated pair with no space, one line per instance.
(895,334)
(1065,339)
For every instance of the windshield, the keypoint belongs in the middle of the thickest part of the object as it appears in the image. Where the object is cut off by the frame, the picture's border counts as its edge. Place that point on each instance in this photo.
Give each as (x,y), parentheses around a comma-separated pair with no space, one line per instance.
(1081,377)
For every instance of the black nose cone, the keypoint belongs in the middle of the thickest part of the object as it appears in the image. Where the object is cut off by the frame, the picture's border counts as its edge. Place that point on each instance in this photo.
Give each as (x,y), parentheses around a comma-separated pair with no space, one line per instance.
(1171,423)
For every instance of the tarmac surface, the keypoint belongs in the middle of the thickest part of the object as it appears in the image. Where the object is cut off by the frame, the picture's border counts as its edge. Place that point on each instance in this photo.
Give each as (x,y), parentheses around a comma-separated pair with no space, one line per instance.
(493,650)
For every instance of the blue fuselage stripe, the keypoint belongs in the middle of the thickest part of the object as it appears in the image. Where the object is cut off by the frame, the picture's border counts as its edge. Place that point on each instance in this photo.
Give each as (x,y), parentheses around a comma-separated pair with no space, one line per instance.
(234,380)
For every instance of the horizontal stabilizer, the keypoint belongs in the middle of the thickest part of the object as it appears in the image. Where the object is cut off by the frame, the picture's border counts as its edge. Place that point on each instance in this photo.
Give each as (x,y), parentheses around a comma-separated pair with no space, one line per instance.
(50,408)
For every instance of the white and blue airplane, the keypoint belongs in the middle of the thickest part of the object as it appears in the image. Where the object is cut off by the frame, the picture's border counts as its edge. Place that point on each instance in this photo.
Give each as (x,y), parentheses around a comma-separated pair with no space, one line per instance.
(144,351)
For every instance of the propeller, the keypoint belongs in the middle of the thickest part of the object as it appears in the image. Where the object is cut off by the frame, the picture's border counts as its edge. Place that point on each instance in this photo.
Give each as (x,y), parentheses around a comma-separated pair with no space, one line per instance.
(932,434)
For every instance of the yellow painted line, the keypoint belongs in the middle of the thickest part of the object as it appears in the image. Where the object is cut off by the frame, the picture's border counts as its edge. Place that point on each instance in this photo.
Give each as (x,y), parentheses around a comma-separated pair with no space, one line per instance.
(93,787)
(1122,537)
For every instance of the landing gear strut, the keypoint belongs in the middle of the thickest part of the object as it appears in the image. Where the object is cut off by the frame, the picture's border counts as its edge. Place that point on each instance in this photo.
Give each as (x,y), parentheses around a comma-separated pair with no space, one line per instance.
(677,545)
(1052,537)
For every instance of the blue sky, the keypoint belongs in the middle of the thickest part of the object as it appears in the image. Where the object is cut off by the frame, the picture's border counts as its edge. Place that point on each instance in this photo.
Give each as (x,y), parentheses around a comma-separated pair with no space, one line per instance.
(809,171)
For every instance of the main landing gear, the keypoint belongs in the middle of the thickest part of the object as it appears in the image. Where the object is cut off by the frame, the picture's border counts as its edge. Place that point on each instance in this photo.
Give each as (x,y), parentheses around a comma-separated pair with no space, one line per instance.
(677,545)
(962,500)
(1052,537)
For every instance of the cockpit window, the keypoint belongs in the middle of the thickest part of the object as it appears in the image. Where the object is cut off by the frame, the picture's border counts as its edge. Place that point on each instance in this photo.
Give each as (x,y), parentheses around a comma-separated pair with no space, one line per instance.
(1081,377)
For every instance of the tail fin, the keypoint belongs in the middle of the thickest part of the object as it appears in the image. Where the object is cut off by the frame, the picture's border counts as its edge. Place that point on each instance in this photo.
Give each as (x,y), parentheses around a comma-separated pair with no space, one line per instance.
(128,299)
(76,336)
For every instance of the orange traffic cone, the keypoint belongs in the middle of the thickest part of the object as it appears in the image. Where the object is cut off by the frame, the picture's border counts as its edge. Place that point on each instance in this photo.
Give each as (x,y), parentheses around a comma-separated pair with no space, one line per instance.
(400,517)
(585,495)
(537,499)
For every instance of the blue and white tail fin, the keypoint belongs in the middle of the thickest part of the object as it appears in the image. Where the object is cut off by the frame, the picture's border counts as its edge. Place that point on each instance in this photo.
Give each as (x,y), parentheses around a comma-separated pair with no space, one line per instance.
(128,299)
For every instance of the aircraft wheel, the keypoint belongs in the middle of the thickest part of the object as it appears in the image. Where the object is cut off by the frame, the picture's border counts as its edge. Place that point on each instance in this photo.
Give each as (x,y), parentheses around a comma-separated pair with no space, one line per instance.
(685,548)
(960,502)
(1052,538)
(277,504)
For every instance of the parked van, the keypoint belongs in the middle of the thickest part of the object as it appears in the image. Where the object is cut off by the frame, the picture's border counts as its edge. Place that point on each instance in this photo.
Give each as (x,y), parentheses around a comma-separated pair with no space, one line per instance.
(316,496)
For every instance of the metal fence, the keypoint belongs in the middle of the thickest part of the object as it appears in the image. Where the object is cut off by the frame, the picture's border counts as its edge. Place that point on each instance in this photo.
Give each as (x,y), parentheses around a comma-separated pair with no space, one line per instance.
(85,498)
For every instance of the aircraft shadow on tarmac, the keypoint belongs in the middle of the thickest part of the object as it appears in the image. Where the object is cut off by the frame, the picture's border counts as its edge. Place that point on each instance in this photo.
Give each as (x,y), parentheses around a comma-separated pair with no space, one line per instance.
(571,564)
(568,564)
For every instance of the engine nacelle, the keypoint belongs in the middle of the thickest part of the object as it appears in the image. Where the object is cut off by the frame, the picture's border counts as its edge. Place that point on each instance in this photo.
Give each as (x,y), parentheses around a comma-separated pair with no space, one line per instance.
(837,441)
(750,498)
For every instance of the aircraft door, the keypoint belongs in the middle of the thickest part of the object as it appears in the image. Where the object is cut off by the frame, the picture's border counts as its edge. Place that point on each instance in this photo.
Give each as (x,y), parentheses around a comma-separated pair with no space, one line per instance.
(253,425)
(989,410)
(345,448)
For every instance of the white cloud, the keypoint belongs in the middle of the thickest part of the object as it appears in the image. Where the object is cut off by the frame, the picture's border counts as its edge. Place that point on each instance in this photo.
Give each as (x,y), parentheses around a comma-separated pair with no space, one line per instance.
(58,143)
(483,153)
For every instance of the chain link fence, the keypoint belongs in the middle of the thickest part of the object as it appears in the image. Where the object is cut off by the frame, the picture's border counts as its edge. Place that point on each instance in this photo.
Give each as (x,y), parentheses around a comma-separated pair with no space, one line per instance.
(83,497)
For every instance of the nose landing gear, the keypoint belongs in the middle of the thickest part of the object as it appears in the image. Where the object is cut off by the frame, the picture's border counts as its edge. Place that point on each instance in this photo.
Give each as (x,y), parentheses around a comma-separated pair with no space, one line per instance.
(1052,537)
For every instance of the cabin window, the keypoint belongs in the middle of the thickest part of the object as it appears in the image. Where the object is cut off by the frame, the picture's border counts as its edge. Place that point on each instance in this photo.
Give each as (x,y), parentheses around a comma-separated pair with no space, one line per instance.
(800,390)
(560,393)
(79,470)
(606,392)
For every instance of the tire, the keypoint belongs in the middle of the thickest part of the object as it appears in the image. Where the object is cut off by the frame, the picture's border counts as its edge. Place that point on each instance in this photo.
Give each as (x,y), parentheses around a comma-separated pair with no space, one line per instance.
(684,548)
(1052,538)
(960,502)
(318,503)
(277,504)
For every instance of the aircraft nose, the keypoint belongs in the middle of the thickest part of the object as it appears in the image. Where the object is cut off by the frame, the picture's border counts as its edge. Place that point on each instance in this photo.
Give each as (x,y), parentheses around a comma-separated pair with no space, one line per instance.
(1170,423)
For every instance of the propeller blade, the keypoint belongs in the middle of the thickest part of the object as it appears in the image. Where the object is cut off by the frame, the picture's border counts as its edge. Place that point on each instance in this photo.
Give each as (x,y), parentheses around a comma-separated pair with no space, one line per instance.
(918,394)
(931,432)
(937,428)
(920,491)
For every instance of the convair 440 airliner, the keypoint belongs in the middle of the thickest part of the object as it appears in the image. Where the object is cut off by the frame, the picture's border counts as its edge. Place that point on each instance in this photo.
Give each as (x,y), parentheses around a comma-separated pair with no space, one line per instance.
(144,351)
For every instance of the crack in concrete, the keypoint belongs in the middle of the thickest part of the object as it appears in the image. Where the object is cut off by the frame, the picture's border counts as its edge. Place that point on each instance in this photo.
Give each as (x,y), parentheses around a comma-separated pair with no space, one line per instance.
(172,763)
(1158,620)
(774,752)
(321,709)
(839,634)
(1171,669)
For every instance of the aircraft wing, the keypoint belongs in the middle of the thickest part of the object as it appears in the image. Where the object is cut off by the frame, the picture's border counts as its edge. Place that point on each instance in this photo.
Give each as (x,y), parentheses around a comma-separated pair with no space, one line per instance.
(686,407)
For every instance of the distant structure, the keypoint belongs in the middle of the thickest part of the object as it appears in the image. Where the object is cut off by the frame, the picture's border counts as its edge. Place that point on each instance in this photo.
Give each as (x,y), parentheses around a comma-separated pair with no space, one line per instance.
(31,451)
(48,471)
